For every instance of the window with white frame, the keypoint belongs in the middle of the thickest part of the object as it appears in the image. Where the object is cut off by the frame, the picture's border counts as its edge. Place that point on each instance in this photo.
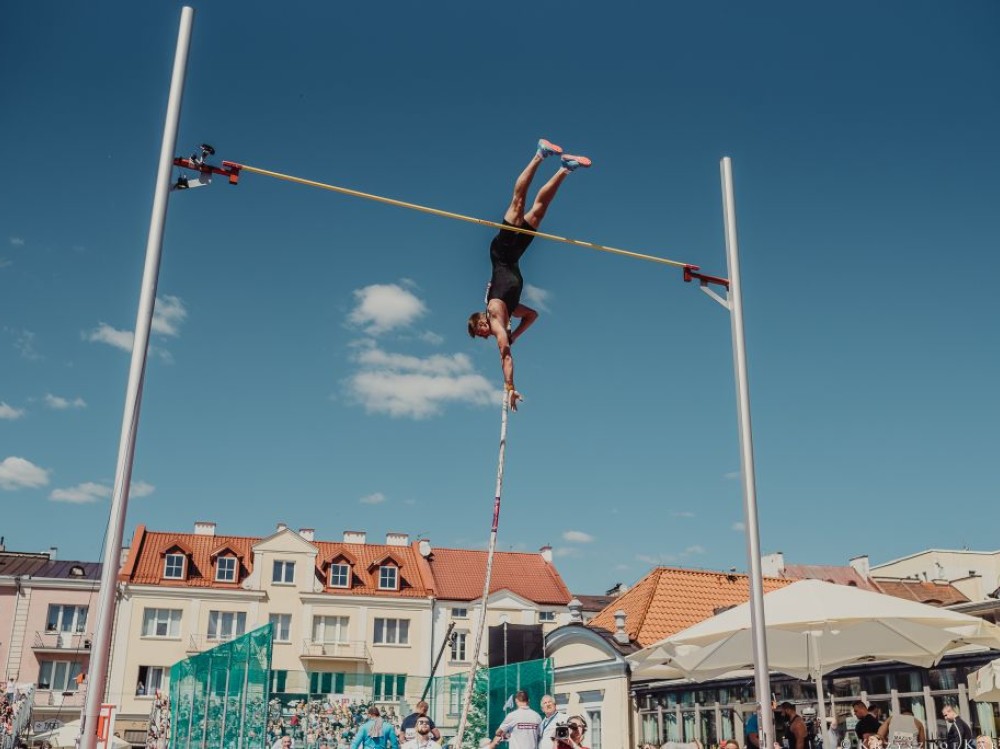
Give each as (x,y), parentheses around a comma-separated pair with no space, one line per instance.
(546,616)
(281,627)
(340,575)
(225,625)
(389,686)
(65,618)
(173,567)
(392,631)
(150,681)
(161,623)
(594,728)
(459,613)
(283,572)
(59,676)
(458,641)
(456,690)
(388,578)
(330,629)
(225,569)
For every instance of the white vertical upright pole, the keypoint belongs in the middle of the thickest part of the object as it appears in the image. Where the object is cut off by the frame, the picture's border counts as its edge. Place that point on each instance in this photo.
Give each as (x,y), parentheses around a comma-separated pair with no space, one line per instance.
(101,652)
(762,677)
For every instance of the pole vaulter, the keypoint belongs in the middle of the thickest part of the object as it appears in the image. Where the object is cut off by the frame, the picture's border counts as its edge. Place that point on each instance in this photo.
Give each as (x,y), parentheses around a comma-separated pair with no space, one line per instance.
(732,302)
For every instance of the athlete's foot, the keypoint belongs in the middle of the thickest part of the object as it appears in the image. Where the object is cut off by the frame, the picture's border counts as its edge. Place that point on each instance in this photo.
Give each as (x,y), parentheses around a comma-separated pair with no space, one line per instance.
(572,163)
(546,149)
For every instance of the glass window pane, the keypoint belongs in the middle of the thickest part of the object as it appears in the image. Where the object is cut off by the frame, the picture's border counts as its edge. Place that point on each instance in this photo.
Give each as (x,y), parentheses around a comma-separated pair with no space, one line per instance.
(380,630)
(404,631)
(390,631)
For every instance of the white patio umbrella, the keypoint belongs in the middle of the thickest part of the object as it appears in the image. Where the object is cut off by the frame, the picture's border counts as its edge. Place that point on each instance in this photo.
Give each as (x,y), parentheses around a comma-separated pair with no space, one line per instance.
(814,627)
(984,684)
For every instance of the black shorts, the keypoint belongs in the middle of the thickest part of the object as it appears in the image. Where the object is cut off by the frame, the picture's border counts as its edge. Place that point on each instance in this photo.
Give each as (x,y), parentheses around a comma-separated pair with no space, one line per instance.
(506,282)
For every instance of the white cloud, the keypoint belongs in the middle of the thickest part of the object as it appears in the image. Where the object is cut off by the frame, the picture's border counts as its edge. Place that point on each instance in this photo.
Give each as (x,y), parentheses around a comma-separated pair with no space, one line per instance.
(731,475)
(60,404)
(17,241)
(104,333)
(383,307)
(682,514)
(81,493)
(91,491)
(416,387)
(693,549)
(9,412)
(25,343)
(429,336)
(739,526)
(18,473)
(577,537)
(565,551)
(4,262)
(375,498)
(168,314)
(536,297)
(649,559)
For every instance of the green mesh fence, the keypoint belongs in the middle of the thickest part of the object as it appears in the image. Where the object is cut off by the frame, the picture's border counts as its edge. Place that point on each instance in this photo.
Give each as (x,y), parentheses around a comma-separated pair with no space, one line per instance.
(492,699)
(218,699)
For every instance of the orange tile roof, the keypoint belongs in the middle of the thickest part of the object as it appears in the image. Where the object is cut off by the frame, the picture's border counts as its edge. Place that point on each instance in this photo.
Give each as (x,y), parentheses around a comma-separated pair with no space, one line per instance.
(670,599)
(931,593)
(145,563)
(459,575)
(831,573)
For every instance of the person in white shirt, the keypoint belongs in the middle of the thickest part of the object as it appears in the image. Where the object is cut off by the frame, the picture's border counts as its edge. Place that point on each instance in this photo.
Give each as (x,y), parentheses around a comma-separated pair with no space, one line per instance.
(520,727)
(423,739)
(551,717)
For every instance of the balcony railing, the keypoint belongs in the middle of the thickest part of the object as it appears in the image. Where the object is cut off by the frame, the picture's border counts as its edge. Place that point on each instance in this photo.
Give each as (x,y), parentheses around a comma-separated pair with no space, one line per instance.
(353,650)
(199,643)
(59,698)
(61,641)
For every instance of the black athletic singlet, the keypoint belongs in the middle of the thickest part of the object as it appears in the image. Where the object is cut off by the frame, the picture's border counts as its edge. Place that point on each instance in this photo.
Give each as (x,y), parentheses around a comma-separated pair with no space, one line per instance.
(506,283)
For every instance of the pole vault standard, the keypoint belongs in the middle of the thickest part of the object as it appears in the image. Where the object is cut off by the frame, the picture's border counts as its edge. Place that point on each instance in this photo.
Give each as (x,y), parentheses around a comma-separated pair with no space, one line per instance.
(98,672)
(474,663)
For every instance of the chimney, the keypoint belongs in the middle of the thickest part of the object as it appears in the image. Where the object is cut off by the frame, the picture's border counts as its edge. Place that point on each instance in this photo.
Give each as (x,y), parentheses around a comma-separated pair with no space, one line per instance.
(575,611)
(546,552)
(281,527)
(397,539)
(861,566)
(53,550)
(204,528)
(772,565)
(354,537)
(621,636)
(309,534)
(425,548)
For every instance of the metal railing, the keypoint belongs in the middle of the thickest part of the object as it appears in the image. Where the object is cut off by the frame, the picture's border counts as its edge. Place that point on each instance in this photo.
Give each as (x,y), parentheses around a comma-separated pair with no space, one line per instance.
(352,650)
(59,698)
(62,641)
(22,716)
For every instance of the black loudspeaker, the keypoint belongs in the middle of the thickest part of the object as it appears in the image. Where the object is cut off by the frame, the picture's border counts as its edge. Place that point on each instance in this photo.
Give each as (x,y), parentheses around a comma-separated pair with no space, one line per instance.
(515,643)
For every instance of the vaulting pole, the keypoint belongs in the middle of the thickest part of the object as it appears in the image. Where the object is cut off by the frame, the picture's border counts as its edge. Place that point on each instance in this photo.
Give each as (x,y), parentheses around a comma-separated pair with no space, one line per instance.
(467,702)
(101,653)
(762,676)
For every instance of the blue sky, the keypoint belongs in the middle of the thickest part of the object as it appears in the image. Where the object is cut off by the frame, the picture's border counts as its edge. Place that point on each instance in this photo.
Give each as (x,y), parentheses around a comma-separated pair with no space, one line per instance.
(310,365)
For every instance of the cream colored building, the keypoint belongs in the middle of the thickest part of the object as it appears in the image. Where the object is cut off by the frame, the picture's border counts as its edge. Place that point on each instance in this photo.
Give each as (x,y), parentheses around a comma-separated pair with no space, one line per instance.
(975,573)
(351,618)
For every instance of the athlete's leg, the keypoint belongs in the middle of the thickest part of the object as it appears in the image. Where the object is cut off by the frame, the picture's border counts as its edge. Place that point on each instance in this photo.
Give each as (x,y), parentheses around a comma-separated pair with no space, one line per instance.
(515,212)
(548,192)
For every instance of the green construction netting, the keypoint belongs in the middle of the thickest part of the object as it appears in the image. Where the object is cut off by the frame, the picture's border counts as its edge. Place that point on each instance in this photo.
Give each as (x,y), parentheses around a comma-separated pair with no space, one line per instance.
(219,698)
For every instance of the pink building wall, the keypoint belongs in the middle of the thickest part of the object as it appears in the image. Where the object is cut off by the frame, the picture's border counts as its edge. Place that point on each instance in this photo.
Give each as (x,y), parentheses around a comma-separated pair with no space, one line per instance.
(69,647)
(7,603)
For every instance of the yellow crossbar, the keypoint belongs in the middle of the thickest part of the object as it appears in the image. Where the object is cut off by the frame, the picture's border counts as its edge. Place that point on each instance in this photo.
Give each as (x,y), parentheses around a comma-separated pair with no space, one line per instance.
(460,217)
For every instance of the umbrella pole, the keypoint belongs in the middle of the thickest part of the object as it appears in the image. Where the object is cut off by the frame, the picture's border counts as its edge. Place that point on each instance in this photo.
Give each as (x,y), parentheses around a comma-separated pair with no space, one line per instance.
(820,697)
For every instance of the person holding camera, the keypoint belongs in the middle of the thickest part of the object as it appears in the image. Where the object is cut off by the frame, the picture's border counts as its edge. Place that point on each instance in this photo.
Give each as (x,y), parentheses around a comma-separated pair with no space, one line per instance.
(570,735)
(551,717)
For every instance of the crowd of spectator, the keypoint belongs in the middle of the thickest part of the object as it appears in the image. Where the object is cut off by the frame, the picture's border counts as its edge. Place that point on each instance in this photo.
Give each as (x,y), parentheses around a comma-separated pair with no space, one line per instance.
(319,724)
(158,734)
(15,707)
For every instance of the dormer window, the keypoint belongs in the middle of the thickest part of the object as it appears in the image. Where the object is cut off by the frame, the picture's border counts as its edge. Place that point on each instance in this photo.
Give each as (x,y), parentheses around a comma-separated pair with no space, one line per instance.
(388,578)
(225,569)
(173,566)
(340,575)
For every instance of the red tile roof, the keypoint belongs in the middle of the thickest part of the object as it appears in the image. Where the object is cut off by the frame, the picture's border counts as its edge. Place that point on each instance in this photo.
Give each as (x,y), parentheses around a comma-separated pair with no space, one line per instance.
(459,575)
(831,573)
(670,599)
(931,593)
(145,562)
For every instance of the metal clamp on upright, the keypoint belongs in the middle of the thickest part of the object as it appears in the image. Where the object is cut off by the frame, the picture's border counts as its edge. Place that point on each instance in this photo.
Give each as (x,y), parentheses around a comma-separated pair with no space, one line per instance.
(690,273)
(197,162)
